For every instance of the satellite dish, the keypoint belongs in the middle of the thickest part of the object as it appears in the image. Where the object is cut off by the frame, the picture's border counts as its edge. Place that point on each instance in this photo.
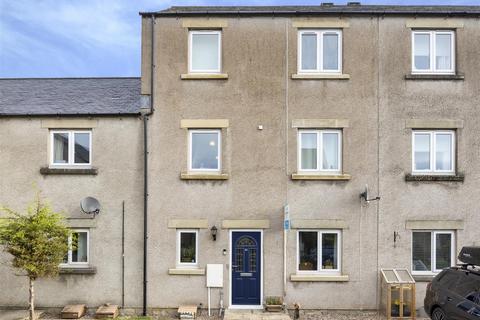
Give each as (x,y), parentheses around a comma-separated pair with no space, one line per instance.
(90,205)
(365,195)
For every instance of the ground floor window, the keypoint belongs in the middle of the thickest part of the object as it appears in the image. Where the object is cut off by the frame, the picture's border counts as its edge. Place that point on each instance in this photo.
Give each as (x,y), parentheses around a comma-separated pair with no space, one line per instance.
(78,247)
(318,251)
(432,251)
(187,248)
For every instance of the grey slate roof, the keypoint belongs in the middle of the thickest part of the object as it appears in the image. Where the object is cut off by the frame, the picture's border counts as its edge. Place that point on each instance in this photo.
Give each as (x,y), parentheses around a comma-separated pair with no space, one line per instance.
(320,9)
(69,96)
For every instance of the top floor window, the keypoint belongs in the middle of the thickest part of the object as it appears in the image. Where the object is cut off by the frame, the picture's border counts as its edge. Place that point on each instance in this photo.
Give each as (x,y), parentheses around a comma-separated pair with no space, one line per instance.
(71,147)
(204,51)
(320,51)
(433,52)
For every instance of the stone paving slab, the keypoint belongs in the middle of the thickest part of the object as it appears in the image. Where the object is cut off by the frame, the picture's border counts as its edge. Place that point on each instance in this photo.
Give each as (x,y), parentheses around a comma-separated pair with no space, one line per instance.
(17,314)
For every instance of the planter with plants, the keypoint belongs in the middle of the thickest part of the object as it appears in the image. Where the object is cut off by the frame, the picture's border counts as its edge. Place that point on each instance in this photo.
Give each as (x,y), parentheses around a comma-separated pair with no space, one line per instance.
(274,304)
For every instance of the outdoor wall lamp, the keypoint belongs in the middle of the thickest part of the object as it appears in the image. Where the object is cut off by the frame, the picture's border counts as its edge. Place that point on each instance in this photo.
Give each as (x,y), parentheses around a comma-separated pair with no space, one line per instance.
(213,232)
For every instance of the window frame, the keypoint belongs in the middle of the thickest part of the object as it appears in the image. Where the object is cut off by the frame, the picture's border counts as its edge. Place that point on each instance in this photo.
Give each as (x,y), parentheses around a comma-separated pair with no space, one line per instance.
(320,269)
(187,265)
(190,49)
(433,247)
(432,46)
(319,133)
(319,36)
(69,262)
(71,148)
(433,154)
(219,149)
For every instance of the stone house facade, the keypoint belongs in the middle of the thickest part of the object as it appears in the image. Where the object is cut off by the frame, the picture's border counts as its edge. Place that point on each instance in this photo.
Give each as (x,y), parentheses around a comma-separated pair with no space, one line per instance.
(265,126)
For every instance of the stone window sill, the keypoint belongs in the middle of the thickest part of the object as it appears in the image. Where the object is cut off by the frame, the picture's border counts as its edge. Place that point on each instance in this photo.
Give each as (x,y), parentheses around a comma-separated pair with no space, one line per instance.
(423,278)
(73,171)
(78,270)
(203,176)
(432,178)
(186,272)
(318,278)
(434,77)
(337,177)
(204,76)
(320,76)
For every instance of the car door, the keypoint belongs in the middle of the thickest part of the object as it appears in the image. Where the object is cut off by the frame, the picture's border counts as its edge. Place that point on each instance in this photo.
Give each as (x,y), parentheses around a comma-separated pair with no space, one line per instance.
(466,290)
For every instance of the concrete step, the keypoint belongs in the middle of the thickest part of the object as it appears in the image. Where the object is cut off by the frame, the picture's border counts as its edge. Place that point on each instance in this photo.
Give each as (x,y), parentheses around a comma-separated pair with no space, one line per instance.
(232,314)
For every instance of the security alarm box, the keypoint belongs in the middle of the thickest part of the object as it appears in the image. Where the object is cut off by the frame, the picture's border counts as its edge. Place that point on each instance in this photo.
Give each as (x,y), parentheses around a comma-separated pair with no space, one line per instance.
(215,275)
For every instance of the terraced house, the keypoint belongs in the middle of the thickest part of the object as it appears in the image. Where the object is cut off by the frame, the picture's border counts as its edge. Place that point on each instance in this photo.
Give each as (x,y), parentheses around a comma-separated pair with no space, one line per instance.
(265,127)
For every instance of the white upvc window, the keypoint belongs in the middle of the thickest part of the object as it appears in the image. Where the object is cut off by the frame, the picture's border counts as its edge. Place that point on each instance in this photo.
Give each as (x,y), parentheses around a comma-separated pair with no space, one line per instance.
(319,51)
(433,51)
(318,251)
(204,150)
(70,147)
(187,248)
(78,248)
(433,152)
(204,51)
(320,151)
(432,251)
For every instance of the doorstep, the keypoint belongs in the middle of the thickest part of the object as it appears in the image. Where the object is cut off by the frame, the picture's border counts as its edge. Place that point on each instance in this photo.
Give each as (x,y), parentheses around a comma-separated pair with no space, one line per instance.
(239,314)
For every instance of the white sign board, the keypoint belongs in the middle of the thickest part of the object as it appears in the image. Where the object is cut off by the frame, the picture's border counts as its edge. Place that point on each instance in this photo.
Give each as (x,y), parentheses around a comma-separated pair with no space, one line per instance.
(215,275)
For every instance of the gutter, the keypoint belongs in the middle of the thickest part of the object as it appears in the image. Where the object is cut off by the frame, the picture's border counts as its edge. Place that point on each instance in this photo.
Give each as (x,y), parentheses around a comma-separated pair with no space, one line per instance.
(145,174)
(70,115)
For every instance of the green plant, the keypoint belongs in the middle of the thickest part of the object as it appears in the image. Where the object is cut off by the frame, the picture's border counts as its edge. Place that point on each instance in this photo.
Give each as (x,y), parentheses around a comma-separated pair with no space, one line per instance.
(274,301)
(37,240)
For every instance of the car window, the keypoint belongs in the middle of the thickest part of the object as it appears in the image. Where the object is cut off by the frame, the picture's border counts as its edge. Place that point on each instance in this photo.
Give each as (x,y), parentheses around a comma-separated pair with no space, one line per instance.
(476,312)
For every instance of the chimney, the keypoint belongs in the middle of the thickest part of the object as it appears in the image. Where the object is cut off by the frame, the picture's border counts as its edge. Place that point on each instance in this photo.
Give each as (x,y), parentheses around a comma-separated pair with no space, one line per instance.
(353,3)
(327,4)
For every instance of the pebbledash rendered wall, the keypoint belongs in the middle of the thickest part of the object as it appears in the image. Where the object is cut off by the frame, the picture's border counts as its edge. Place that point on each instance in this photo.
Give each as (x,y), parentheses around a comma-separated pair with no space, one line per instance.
(117,152)
(372,106)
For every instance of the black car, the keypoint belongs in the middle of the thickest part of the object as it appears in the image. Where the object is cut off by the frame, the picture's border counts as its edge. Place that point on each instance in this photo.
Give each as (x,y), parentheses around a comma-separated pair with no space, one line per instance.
(454,294)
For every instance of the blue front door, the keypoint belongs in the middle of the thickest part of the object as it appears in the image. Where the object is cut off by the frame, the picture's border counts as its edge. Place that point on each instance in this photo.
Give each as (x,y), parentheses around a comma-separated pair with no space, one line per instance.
(246,267)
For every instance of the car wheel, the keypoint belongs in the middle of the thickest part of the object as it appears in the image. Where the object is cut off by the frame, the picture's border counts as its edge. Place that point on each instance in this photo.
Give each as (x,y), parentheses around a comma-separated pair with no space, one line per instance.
(439,314)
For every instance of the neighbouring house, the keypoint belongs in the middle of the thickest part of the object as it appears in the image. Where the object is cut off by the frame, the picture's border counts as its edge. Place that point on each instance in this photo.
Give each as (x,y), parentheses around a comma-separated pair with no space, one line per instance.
(265,126)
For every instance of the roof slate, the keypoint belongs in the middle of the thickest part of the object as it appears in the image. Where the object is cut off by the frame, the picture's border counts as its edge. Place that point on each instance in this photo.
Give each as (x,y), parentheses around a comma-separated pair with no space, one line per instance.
(70,96)
(320,9)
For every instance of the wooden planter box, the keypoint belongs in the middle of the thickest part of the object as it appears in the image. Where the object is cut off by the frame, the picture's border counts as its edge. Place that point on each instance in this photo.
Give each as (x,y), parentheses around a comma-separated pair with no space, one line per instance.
(273,307)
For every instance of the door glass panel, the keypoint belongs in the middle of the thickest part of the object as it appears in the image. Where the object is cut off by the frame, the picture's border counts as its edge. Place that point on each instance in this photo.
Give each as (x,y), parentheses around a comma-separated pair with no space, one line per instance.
(443,51)
(421,251)
(443,151)
(242,246)
(205,52)
(252,260)
(330,151)
(82,148)
(205,150)
(309,151)
(422,151)
(188,248)
(443,242)
(308,249)
(329,251)
(330,51)
(422,51)
(309,51)
(60,147)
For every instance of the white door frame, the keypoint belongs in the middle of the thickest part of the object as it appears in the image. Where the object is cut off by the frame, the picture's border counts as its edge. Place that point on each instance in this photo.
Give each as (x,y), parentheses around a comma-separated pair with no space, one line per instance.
(232,306)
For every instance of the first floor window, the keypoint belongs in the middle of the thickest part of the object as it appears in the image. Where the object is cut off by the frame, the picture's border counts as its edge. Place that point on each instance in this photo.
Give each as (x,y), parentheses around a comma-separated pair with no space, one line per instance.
(433,151)
(433,51)
(205,51)
(187,248)
(320,150)
(319,51)
(432,251)
(77,248)
(318,251)
(71,147)
(205,150)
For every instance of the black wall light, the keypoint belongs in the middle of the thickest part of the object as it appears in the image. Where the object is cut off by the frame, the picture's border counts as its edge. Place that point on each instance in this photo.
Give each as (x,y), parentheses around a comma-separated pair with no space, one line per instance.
(213,232)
